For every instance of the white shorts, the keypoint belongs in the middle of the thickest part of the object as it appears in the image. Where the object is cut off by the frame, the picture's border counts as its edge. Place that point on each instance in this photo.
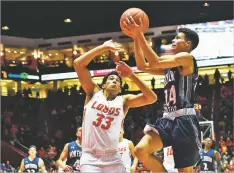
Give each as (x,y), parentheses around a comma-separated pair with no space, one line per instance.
(116,168)
(100,162)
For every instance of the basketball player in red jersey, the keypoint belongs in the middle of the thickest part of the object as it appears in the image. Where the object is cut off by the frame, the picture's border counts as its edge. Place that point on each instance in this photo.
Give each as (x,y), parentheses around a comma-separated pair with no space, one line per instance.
(179,126)
(105,110)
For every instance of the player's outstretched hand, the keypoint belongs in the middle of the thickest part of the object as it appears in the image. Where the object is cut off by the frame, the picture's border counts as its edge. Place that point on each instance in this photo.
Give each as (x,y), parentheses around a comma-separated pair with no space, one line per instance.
(113,46)
(123,69)
(68,169)
(131,28)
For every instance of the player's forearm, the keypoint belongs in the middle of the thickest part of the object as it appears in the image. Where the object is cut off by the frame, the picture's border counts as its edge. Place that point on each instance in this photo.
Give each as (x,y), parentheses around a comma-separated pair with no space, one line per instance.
(86,58)
(150,96)
(149,53)
(135,162)
(20,170)
(140,59)
(61,164)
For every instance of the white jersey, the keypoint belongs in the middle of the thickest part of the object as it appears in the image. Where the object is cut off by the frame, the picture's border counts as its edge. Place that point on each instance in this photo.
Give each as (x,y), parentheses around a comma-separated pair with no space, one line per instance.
(102,123)
(168,161)
(125,153)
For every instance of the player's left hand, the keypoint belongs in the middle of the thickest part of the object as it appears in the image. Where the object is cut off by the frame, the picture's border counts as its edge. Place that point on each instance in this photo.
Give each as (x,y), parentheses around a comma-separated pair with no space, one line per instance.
(132,28)
(133,169)
(123,69)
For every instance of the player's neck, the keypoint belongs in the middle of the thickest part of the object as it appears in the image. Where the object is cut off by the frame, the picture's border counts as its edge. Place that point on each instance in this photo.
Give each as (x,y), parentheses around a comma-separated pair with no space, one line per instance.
(31,157)
(108,95)
(120,139)
(78,142)
(206,149)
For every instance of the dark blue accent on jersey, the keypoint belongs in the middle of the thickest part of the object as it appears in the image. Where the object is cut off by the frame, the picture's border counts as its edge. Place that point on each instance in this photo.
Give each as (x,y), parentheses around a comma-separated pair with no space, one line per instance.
(207,163)
(31,166)
(180,87)
(74,154)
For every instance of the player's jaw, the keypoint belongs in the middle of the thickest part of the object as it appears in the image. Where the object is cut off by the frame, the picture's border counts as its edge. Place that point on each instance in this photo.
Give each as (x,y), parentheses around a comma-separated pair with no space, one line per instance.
(112,85)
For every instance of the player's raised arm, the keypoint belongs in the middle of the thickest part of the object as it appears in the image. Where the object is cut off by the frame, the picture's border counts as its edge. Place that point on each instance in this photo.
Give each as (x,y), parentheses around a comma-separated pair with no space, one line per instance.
(141,63)
(146,97)
(42,165)
(80,65)
(180,58)
(21,169)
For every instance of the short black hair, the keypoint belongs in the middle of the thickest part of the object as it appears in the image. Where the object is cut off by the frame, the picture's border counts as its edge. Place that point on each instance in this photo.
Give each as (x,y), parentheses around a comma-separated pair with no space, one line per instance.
(191,36)
(32,146)
(109,74)
(78,128)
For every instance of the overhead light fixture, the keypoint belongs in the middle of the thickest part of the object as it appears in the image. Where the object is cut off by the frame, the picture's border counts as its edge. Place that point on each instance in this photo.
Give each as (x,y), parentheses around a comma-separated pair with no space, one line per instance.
(56,54)
(5,28)
(15,51)
(21,52)
(50,54)
(67,20)
(116,53)
(206,4)
(74,52)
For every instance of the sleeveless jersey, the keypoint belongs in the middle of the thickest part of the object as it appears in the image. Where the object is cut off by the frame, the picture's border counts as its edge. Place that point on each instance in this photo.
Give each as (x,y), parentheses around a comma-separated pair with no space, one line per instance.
(74,154)
(125,153)
(168,160)
(102,123)
(31,166)
(208,162)
(179,92)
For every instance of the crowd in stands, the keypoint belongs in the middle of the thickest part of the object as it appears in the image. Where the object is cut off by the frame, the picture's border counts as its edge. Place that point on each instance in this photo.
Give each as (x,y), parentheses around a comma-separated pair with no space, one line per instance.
(50,123)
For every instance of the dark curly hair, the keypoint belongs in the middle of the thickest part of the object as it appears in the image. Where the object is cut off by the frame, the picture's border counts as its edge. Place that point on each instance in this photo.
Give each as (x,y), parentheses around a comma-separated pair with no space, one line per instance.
(191,36)
(109,74)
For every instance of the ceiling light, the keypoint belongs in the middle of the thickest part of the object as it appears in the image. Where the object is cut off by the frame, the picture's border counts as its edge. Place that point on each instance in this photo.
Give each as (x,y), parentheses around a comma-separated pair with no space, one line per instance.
(13,61)
(74,52)
(206,4)
(9,51)
(56,54)
(116,53)
(15,51)
(5,28)
(49,54)
(21,52)
(67,20)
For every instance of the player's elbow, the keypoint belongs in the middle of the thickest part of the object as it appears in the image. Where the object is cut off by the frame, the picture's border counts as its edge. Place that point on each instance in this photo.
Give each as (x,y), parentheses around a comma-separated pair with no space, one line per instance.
(77,62)
(140,67)
(152,98)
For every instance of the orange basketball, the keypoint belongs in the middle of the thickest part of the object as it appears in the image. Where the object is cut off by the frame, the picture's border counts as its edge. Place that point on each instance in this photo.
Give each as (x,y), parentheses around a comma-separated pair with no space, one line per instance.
(136,13)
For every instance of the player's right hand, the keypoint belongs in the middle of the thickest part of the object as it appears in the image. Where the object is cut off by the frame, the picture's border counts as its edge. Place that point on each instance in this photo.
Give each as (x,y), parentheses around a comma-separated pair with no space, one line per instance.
(67,169)
(113,46)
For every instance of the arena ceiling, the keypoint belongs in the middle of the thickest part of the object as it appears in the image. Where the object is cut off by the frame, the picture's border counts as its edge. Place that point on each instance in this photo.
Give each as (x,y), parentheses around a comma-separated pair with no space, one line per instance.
(46,19)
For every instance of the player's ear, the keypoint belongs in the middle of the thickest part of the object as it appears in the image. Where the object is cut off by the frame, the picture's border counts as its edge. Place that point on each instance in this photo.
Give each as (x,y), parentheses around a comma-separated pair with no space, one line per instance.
(189,43)
(103,86)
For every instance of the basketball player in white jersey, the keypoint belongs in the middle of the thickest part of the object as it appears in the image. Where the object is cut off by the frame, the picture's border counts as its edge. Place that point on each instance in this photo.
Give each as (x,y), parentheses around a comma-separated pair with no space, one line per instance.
(126,150)
(105,110)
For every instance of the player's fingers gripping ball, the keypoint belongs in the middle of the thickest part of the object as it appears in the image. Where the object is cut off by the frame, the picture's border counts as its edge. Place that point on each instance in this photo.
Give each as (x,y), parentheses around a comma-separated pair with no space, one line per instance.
(131,17)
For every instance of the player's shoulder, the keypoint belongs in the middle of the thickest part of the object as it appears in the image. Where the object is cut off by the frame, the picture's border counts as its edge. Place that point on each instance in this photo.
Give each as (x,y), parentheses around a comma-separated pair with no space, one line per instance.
(184,55)
(184,58)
